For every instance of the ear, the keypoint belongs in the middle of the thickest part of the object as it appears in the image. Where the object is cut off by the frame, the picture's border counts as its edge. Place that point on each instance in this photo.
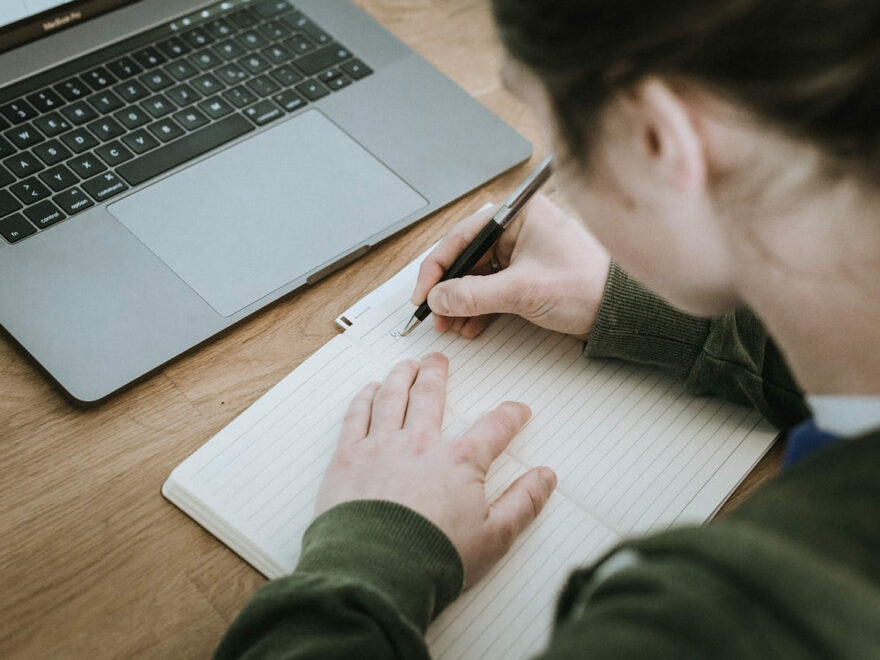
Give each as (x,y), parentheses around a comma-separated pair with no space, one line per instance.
(672,143)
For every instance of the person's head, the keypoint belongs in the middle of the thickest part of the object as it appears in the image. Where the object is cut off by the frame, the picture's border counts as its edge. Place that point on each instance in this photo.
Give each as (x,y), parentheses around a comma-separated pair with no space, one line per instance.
(689,132)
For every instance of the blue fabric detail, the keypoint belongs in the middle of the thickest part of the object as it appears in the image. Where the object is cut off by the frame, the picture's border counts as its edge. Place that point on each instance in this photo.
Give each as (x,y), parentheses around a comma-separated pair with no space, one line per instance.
(803,440)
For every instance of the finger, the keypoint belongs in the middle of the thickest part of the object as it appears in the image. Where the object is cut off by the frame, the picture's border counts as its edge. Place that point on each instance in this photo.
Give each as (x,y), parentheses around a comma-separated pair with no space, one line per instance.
(442,323)
(447,251)
(389,404)
(427,396)
(494,431)
(356,423)
(475,325)
(457,322)
(475,295)
(521,503)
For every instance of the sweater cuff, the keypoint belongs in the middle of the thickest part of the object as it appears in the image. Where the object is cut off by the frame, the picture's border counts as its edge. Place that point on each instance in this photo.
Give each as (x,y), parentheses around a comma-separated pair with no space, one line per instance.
(389,548)
(636,325)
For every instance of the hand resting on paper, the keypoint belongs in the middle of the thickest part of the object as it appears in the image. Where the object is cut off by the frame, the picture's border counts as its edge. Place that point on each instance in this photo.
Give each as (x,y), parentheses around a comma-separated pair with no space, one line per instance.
(390,448)
(552,273)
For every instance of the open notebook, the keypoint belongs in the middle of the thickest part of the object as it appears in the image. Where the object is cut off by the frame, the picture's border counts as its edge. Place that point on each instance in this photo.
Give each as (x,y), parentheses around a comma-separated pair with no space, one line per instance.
(634,453)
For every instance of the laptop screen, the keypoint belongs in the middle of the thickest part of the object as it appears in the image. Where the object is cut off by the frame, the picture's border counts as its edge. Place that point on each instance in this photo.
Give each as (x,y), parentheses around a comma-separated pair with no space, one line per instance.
(22,21)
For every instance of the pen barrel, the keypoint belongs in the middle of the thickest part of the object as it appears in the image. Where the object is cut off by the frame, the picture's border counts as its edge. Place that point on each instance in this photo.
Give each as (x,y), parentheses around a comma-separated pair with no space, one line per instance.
(475,251)
(467,259)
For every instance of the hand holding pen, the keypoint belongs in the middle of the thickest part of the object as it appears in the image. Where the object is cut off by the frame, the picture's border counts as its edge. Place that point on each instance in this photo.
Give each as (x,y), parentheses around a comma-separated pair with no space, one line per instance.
(545,267)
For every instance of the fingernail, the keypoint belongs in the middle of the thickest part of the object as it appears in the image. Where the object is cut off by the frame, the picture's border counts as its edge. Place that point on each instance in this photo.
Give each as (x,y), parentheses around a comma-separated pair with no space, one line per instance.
(548,477)
(438,302)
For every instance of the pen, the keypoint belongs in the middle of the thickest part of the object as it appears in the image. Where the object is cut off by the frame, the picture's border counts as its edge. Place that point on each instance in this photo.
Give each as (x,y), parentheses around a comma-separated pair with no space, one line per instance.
(489,234)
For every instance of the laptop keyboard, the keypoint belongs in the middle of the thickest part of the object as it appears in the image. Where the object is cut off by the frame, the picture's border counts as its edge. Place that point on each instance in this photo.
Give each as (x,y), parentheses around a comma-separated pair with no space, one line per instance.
(79,135)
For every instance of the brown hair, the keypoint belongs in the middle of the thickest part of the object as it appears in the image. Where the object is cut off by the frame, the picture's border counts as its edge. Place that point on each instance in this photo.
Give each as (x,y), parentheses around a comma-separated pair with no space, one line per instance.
(811,67)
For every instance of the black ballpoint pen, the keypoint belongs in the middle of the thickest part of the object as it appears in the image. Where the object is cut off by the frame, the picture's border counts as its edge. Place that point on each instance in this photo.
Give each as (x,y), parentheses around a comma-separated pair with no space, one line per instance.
(489,234)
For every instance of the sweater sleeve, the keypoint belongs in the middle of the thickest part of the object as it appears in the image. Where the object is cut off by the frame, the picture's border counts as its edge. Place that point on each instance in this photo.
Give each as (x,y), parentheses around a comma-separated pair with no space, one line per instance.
(730,356)
(371,577)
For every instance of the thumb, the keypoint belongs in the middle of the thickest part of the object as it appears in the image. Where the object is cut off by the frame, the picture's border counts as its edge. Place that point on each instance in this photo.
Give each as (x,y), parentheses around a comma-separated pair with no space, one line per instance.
(475,295)
(521,503)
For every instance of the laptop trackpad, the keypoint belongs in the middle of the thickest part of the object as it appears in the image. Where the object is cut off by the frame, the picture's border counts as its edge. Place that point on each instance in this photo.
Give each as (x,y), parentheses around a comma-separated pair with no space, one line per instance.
(239,225)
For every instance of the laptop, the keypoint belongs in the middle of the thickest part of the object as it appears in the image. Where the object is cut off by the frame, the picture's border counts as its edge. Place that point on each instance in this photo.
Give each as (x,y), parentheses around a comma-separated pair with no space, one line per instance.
(169,167)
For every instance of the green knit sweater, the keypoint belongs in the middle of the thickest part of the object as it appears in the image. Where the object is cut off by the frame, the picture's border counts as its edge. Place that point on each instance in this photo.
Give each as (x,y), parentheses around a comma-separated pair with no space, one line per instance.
(793,572)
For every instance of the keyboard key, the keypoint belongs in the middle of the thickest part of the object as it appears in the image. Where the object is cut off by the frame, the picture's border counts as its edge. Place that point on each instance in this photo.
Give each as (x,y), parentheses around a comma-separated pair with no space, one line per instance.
(29,191)
(5,177)
(269,8)
(356,69)
(338,83)
(173,47)
(165,129)
(51,125)
(229,49)
(86,165)
(180,151)
(16,227)
(328,75)
(104,186)
(183,95)
(239,96)
(181,70)
(124,67)
(113,153)
(286,75)
(207,84)
(23,164)
(191,119)
(79,113)
(276,54)
(197,38)
(132,91)
(244,19)
(251,39)
(52,152)
(18,111)
(79,140)
(44,214)
(149,57)
(46,100)
(58,178)
(263,112)
(263,86)
(157,80)
(8,203)
(106,129)
(215,107)
(312,90)
(205,59)
(132,117)
(158,106)
(289,100)
(72,201)
(73,89)
(298,21)
(140,141)
(321,59)
(230,73)
(99,78)
(276,30)
(220,28)
(24,136)
(4,124)
(254,63)
(299,44)
(105,102)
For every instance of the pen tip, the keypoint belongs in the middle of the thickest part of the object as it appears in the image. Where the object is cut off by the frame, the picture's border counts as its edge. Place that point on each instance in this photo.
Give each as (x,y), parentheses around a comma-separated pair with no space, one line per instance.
(412,325)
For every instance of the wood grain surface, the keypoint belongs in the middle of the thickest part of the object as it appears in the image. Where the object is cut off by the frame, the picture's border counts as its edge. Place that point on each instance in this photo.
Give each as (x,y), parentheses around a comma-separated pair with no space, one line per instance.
(94,563)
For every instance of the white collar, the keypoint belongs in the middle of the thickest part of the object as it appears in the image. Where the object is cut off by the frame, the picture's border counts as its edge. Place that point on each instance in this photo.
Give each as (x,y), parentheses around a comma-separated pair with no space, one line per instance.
(845,415)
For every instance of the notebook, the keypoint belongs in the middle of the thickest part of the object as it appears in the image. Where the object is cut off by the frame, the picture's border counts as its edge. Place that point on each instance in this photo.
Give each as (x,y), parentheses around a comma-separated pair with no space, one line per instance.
(633,451)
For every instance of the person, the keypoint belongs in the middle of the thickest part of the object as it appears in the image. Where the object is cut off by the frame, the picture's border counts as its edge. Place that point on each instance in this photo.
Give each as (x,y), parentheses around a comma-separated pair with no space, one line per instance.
(727,155)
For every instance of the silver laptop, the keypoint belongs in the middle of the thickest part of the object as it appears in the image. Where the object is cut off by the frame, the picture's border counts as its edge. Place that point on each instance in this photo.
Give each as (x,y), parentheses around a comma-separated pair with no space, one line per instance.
(169,167)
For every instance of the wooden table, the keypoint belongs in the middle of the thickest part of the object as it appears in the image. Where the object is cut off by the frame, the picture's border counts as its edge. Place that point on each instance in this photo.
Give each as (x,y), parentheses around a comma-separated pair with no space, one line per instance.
(93,561)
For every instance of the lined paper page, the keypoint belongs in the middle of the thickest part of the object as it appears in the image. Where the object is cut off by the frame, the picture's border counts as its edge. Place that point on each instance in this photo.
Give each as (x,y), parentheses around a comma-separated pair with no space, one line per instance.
(627,442)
